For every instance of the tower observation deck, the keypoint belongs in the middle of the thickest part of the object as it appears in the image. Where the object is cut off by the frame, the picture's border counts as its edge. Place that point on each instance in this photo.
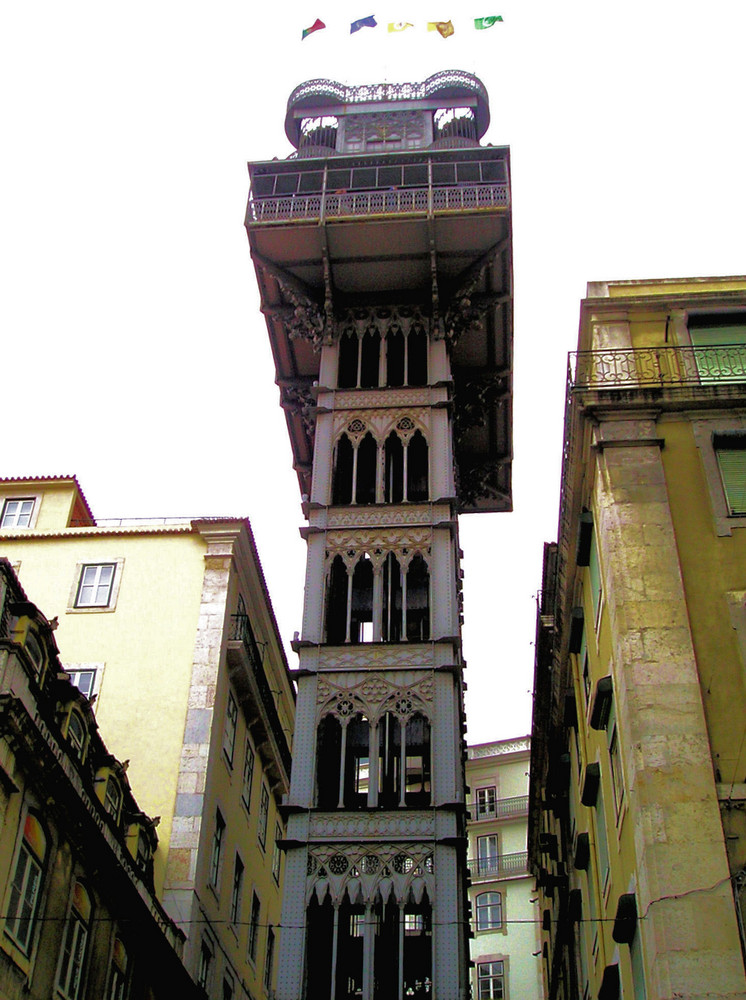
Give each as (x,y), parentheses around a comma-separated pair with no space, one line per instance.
(383,253)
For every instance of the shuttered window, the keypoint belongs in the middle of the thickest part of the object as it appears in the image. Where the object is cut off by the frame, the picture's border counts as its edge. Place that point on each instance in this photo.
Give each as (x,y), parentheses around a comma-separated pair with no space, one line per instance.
(720,343)
(731,455)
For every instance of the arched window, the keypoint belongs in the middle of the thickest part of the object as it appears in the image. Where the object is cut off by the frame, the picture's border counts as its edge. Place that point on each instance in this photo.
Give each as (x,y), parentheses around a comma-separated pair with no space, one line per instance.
(389,761)
(370,351)
(393,485)
(319,947)
(417,357)
(118,974)
(489,911)
(77,734)
(357,763)
(392,600)
(417,468)
(418,601)
(348,361)
(25,889)
(395,357)
(417,744)
(365,485)
(336,603)
(72,959)
(417,950)
(113,798)
(361,614)
(343,470)
(328,762)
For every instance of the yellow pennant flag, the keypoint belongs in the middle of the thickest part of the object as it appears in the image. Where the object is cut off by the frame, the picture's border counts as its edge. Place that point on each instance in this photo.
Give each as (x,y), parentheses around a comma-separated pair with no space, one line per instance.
(399,25)
(444,28)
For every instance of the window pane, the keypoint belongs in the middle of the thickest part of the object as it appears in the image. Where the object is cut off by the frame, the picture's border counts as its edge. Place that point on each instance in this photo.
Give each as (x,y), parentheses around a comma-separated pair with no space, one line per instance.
(732,462)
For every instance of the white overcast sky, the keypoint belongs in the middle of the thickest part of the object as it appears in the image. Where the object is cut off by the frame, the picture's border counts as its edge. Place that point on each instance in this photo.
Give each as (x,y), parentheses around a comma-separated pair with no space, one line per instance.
(133,352)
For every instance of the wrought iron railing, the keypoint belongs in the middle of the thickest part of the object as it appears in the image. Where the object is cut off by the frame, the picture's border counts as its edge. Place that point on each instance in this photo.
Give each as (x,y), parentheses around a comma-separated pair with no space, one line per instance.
(241,631)
(388,91)
(622,368)
(499,866)
(402,201)
(501,808)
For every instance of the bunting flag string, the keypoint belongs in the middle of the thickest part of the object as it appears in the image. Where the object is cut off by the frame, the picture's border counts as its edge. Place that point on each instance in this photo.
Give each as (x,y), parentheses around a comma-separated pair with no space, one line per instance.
(444,28)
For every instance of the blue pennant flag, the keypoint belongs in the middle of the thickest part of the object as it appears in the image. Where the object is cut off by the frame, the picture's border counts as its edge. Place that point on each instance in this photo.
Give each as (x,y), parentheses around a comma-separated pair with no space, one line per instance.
(364,22)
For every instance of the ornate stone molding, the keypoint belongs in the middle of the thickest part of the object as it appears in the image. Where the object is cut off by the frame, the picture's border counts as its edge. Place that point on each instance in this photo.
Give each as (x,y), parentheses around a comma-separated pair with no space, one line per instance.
(364,872)
(373,695)
(346,826)
(382,320)
(499,748)
(373,655)
(357,423)
(296,398)
(379,517)
(371,399)
(352,544)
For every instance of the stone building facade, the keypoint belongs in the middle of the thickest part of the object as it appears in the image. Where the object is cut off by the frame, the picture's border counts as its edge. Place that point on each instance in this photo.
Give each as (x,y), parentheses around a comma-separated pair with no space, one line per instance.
(638,801)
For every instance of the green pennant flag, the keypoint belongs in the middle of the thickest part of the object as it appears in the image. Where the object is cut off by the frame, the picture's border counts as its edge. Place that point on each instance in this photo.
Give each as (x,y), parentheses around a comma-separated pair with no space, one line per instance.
(480,23)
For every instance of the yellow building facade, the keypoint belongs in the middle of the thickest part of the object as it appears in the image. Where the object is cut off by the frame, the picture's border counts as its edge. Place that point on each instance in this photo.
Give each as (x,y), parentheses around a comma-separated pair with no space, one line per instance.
(79,918)
(638,790)
(167,626)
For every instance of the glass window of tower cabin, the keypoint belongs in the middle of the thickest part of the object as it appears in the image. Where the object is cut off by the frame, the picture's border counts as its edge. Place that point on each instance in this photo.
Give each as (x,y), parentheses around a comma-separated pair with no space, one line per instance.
(348,352)
(393,486)
(370,359)
(343,469)
(328,759)
(365,479)
(418,601)
(361,617)
(417,468)
(357,763)
(336,603)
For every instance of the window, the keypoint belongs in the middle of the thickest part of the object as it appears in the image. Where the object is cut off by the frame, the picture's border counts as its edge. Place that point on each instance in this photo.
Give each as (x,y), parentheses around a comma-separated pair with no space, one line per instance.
(489,911)
(235,913)
(594,570)
(83,678)
(95,586)
(70,976)
(490,980)
(229,986)
(617,778)
(254,927)
(204,968)
(261,831)
(76,733)
(276,854)
(270,958)
(26,884)
(487,855)
(118,977)
(248,775)
(17,513)
(486,799)
(113,798)
(720,346)
(229,728)
(216,856)
(730,450)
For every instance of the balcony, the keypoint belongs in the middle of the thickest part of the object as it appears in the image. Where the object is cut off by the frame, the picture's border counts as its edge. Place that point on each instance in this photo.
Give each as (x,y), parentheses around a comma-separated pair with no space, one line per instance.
(501,809)
(660,367)
(250,680)
(501,866)
(352,205)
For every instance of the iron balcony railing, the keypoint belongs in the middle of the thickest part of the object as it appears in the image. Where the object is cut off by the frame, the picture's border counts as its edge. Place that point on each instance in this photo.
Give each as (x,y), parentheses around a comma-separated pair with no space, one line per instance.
(621,368)
(499,866)
(241,631)
(501,809)
(355,204)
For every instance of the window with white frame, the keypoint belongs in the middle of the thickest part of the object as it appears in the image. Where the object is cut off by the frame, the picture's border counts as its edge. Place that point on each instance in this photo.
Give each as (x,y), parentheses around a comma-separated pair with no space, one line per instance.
(486,802)
(216,854)
(17,513)
(491,980)
(95,585)
(118,974)
(487,857)
(229,728)
(25,887)
(261,831)
(72,958)
(248,774)
(84,678)
(113,798)
(489,911)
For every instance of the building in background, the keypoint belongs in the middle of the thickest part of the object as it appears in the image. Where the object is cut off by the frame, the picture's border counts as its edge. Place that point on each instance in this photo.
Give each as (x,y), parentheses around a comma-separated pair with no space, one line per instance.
(79,915)
(506,939)
(383,256)
(638,773)
(168,625)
